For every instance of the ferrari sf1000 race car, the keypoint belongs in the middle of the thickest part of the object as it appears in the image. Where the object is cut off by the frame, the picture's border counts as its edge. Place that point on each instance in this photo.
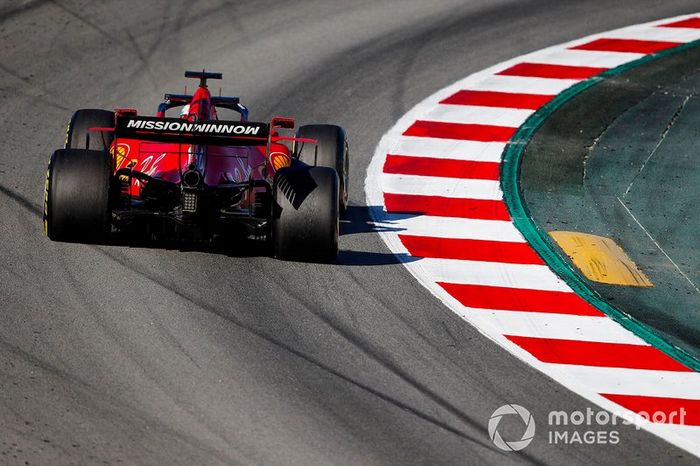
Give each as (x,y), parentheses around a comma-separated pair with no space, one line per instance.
(195,177)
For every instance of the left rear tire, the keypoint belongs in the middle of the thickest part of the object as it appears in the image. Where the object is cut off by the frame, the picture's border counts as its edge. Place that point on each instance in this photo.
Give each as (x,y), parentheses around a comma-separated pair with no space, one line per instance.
(79,136)
(76,201)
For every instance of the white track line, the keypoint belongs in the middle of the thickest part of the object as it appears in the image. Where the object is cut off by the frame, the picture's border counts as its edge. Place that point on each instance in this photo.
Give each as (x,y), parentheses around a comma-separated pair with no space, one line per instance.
(658,246)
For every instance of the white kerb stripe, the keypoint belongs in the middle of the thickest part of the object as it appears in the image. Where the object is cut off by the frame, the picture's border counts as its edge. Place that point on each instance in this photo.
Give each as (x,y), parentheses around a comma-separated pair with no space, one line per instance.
(469,114)
(448,148)
(689,436)
(520,84)
(587,58)
(449,227)
(656,33)
(438,186)
(557,326)
(533,277)
(620,381)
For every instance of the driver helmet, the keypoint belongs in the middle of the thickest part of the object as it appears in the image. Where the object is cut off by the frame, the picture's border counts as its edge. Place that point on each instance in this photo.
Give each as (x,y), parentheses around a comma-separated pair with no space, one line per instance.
(185,112)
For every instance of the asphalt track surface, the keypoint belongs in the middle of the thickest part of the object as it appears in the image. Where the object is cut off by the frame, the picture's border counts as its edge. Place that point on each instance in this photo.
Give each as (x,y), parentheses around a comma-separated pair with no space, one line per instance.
(147,355)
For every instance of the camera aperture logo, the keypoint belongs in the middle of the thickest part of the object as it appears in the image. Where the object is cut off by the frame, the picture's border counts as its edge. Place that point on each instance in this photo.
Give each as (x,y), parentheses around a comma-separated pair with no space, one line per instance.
(525,416)
(589,426)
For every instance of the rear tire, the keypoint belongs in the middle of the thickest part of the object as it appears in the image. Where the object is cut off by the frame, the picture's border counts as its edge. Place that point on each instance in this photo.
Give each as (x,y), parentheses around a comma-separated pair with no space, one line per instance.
(77,196)
(78,136)
(305,216)
(332,152)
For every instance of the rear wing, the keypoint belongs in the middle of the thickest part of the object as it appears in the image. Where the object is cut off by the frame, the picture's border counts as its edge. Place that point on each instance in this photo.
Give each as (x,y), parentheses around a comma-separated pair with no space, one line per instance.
(220,132)
(217,132)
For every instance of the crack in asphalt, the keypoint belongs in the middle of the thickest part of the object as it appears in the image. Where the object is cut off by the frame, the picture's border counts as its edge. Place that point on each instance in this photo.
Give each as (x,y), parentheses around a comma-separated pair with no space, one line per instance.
(670,124)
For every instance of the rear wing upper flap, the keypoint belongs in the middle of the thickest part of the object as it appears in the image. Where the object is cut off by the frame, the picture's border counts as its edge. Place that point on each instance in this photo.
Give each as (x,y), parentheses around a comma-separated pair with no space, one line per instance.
(207,132)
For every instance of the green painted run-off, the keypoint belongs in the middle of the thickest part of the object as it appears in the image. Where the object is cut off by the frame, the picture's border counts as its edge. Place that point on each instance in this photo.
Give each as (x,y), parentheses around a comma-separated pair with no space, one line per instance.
(540,240)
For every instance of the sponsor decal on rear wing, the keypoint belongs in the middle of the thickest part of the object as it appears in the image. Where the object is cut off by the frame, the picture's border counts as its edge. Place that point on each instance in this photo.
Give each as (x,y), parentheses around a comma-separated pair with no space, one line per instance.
(212,132)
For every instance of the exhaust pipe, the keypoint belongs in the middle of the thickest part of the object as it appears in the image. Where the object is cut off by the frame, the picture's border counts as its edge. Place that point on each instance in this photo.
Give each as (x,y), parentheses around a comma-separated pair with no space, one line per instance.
(191,179)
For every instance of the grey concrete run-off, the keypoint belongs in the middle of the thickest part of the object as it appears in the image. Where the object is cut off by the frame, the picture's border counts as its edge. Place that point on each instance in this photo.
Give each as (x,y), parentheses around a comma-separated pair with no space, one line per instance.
(621,160)
(161,356)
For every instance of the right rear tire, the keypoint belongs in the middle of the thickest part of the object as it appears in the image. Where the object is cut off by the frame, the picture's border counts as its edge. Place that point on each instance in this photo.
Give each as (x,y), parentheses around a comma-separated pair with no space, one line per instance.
(77,196)
(331,151)
(305,217)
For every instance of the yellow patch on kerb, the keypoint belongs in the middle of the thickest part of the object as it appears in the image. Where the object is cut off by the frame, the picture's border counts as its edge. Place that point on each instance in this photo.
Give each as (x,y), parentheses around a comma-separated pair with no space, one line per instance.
(600,259)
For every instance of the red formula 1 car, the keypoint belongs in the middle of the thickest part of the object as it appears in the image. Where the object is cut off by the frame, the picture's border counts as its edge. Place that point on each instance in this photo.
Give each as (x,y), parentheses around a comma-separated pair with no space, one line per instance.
(199,178)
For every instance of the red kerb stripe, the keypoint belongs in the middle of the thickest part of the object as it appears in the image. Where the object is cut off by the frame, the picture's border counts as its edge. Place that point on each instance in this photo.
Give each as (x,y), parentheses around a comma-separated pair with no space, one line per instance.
(586,353)
(659,409)
(540,70)
(627,45)
(498,99)
(427,166)
(463,131)
(439,206)
(692,23)
(470,249)
(515,299)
